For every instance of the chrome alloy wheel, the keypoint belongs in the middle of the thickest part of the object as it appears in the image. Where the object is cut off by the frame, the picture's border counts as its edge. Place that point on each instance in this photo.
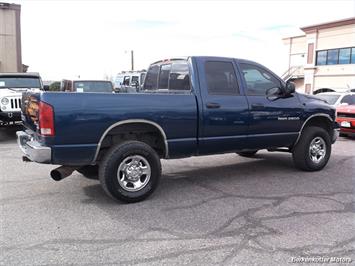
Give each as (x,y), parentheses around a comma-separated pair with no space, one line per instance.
(317,150)
(133,173)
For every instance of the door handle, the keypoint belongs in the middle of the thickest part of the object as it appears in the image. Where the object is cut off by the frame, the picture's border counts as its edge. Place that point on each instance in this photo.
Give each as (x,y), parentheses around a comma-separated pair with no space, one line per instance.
(257,106)
(213,105)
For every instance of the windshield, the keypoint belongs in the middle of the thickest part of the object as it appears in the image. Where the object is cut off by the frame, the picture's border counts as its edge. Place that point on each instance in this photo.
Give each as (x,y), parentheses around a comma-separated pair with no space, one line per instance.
(19,82)
(330,98)
(93,86)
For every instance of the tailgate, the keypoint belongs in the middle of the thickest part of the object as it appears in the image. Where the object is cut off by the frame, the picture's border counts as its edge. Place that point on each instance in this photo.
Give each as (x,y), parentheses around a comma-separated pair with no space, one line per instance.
(29,108)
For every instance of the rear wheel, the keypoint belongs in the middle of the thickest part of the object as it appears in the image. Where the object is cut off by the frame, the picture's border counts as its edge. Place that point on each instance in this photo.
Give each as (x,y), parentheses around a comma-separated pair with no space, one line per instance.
(313,150)
(130,171)
(247,153)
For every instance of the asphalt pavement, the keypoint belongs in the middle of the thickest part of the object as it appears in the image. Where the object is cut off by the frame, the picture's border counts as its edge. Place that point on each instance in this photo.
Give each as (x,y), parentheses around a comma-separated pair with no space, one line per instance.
(210,210)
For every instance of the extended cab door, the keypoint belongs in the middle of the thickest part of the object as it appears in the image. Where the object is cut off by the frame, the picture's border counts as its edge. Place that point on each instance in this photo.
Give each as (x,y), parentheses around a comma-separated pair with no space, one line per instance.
(223,122)
(273,123)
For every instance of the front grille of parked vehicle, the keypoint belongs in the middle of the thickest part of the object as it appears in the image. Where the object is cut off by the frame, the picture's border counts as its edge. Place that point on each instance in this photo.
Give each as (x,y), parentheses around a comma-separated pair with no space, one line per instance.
(15,103)
(346,115)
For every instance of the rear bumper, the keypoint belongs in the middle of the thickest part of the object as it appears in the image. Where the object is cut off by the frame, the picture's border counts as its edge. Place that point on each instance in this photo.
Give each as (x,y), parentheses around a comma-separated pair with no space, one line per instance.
(32,149)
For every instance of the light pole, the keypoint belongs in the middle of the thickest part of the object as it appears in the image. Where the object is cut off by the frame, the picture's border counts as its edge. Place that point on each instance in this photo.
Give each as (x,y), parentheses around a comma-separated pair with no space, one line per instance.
(132,59)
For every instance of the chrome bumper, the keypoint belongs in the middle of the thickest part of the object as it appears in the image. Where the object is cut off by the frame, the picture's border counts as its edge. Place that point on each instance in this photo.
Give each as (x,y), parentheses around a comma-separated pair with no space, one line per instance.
(32,149)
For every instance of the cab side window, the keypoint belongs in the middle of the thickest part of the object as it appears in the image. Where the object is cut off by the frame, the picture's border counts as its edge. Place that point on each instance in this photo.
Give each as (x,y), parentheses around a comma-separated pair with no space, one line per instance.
(221,78)
(258,80)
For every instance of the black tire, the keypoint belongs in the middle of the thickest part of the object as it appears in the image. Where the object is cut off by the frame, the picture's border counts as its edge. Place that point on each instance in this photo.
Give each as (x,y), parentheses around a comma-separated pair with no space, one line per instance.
(247,153)
(301,153)
(115,157)
(90,171)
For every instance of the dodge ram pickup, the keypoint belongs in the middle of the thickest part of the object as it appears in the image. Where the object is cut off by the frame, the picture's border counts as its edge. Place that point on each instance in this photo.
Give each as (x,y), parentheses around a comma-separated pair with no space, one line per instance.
(187,107)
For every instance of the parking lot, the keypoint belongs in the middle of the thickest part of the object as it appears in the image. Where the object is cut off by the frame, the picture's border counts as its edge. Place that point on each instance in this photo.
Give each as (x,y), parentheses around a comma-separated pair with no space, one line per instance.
(221,209)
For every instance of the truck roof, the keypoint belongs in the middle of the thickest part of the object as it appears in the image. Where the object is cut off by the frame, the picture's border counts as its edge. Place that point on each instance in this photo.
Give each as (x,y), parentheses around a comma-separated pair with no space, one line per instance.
(19,74)
(205,57)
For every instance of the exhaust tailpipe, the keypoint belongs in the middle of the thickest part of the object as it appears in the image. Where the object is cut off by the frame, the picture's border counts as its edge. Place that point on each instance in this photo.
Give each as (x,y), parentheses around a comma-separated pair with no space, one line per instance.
(62,172)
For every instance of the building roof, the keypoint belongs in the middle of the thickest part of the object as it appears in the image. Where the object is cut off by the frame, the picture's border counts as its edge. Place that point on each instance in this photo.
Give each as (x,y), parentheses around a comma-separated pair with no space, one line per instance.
(336,23)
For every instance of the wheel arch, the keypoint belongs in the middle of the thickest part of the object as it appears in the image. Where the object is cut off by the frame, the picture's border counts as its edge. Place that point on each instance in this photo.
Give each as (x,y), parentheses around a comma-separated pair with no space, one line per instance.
(321,120)
(130,122)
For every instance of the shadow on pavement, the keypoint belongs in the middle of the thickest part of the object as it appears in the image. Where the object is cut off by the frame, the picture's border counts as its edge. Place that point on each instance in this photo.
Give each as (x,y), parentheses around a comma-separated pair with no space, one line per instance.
(8,133)
(267,165)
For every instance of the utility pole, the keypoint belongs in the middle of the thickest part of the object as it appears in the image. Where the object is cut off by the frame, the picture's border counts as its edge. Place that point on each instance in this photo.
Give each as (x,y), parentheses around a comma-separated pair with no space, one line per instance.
(132,60)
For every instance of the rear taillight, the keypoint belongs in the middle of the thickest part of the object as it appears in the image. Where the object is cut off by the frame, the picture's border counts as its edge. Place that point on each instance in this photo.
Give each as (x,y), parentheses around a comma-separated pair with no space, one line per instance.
(46,119)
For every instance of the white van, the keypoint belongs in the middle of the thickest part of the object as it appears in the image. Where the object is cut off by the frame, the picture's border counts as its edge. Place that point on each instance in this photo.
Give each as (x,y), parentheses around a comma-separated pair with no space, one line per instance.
(130,81)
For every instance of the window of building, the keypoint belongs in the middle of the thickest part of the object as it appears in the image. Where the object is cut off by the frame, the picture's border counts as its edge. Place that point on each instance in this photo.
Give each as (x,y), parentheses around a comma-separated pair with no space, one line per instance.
(353,55)
(221,78)
(321,57)
(336,56)
(258,80)
(332,58)
(344,55)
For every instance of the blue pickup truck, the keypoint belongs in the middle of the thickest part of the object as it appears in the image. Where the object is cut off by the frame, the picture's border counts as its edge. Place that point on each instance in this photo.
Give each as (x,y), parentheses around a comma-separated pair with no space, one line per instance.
(188,107)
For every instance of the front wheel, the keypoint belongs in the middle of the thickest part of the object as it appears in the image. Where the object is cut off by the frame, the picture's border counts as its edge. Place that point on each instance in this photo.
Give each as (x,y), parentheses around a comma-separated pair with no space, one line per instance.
(130,171)
(313,150)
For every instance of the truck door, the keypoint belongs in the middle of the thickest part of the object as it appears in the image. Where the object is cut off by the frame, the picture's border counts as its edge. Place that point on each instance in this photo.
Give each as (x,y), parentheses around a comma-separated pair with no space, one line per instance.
(272,122)
(223,122)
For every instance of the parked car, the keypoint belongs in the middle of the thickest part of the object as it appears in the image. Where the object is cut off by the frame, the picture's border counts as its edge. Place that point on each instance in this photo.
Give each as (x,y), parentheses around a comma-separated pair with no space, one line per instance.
(337,98)
(129,81)
(346,119)
(188,107)
(103,86)
(12,85)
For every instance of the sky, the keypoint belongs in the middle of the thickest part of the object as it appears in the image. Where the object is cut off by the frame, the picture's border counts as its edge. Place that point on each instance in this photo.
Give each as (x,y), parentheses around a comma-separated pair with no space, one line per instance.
(93,39)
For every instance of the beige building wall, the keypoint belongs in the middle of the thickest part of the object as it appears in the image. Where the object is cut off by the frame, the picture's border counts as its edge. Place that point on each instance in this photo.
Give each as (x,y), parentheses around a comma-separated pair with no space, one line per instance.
(331,35)
(337,37)
(10,38)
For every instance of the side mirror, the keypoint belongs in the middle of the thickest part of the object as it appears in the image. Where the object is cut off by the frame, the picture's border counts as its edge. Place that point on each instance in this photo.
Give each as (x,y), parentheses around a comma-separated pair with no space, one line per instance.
(273,93)
(46,87)
(290,88)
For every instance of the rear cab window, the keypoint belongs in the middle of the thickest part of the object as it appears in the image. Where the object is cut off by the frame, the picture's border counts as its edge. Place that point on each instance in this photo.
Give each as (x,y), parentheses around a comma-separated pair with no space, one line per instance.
(168,77)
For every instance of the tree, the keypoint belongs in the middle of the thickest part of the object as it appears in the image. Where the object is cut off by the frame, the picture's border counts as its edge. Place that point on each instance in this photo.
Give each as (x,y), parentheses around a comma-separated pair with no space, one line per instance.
(55,86)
